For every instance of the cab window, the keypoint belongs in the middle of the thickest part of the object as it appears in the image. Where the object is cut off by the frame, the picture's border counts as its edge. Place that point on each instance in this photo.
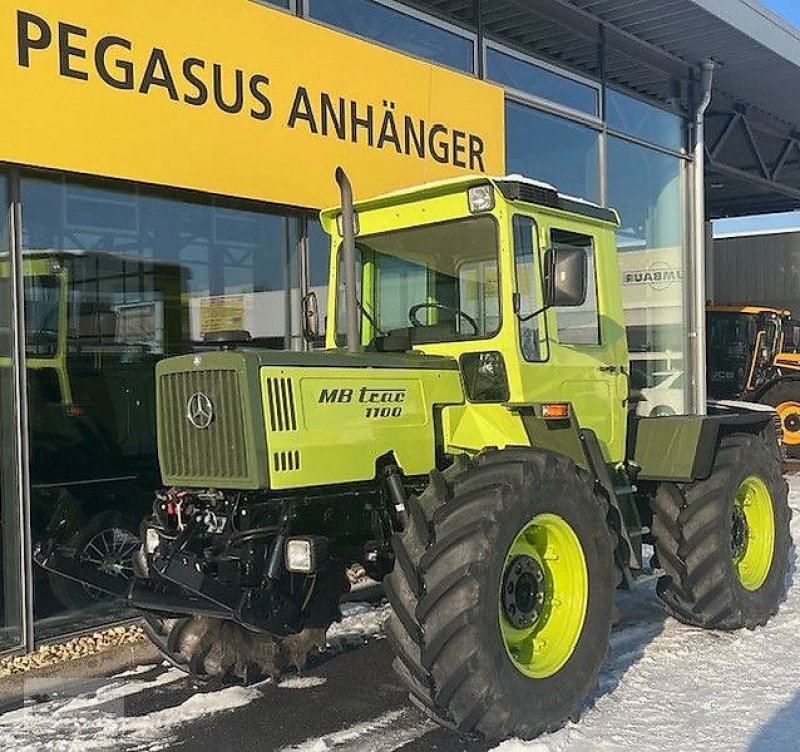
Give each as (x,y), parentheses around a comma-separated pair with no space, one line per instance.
(579,325)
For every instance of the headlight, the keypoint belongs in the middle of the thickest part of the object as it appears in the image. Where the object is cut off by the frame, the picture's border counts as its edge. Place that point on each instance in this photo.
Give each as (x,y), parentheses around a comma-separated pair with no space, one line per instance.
(300,555)
(151,540)
(481,198)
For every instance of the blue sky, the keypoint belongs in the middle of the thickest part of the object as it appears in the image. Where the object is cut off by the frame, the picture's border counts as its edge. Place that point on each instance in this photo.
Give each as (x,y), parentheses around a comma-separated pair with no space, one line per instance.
(790,10)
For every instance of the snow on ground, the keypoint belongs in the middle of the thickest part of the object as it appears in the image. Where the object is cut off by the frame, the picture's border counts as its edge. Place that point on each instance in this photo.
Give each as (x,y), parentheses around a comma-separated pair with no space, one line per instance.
(672,687)
(668,687)
(90,716)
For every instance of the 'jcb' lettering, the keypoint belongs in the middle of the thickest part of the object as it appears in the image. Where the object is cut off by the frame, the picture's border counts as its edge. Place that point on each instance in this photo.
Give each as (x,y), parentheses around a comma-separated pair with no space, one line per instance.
(334,396)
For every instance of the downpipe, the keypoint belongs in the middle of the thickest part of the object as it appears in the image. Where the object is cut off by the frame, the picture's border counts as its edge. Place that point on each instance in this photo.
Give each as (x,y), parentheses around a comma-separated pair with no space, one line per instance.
(699,395)
(349,254)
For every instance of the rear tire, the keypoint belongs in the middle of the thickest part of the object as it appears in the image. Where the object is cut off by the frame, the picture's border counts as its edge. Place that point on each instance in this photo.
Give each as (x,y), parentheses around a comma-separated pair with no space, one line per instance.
(453,629)
(722,571)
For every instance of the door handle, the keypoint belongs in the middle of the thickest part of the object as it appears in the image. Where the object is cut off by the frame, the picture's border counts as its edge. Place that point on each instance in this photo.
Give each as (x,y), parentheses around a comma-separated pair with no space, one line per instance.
(609,369)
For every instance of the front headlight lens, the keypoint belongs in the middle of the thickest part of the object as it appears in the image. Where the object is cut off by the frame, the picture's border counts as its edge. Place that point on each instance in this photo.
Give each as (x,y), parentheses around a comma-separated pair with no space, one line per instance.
(151,540)
(300,555)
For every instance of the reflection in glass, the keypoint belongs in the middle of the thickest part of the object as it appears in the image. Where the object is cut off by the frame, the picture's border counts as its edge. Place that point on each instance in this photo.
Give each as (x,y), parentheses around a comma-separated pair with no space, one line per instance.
(526,76)
(403,32)
(552,149)
(642,120)
(115,280)
(10,591)
(646,188)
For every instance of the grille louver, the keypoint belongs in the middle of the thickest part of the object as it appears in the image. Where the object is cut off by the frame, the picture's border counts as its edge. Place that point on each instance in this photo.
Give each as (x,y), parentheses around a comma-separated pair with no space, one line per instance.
(282,413)
(286,462)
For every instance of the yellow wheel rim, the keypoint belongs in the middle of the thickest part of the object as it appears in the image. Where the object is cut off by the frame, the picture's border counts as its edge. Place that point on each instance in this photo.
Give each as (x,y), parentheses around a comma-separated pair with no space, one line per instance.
(544,593)
(789,413)
(753,532)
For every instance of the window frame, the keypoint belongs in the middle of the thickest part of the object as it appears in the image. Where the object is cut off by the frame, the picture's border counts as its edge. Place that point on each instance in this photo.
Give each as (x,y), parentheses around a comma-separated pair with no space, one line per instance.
(551,106)
(541,319)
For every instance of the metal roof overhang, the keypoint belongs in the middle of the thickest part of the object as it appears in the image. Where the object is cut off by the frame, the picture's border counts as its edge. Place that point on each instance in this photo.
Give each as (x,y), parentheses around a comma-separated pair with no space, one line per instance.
(654,47)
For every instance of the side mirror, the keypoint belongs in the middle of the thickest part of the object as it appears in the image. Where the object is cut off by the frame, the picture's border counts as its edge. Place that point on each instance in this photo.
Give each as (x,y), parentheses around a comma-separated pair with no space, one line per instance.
(310,308)
(565,275)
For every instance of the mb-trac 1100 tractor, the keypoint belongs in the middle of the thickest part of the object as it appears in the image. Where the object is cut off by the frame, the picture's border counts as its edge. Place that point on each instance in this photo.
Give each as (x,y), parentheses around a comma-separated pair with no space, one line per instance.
(466,437)
(752,354)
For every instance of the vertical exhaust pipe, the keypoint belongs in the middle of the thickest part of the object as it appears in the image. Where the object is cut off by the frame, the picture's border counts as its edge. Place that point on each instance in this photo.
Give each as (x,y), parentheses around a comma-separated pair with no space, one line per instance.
(349,255)
(697,305)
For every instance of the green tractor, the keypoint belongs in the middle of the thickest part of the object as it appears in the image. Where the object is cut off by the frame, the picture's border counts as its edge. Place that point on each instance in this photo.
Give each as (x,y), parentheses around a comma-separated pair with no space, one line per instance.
(467,437)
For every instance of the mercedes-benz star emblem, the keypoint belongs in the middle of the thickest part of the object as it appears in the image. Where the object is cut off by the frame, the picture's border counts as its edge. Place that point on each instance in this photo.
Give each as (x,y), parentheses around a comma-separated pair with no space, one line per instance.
(200,411)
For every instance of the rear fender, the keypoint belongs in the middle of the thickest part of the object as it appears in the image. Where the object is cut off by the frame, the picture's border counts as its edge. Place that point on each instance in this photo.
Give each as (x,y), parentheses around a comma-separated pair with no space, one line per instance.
(682,448)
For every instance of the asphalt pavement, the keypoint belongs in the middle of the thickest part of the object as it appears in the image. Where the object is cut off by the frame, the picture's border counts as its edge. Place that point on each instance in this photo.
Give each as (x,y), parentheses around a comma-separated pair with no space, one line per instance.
(351,701)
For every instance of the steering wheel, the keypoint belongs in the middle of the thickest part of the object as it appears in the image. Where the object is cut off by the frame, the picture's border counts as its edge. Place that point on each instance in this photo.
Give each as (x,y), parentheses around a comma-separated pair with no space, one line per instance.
(412,314)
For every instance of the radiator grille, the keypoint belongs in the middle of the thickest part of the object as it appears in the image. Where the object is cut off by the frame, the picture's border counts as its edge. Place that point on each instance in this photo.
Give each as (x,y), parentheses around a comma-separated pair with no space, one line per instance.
(216,454)
(282,413)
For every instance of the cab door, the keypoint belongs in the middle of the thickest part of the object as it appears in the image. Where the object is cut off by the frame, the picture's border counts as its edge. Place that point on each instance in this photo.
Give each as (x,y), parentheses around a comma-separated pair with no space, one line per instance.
(577,354)
(589,341)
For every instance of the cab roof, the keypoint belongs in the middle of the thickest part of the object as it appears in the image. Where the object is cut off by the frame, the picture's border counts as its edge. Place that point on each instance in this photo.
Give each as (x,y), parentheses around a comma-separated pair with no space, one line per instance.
(512,187)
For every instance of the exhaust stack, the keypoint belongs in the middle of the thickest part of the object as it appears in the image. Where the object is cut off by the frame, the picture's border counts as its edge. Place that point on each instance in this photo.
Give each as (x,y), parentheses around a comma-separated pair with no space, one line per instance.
(349,251)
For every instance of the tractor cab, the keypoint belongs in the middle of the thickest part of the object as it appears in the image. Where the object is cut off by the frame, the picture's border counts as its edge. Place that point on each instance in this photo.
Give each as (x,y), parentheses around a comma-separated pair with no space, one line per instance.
(747,348)
(508,277)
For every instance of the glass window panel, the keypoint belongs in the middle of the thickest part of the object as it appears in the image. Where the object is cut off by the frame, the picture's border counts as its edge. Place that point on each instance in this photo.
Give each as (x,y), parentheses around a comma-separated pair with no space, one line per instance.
(642,120)
(115,279)
(552,149)
(531,78)
(395,29)
(532,328)
(579,325)
(10,590)
(646,187)
(319,253)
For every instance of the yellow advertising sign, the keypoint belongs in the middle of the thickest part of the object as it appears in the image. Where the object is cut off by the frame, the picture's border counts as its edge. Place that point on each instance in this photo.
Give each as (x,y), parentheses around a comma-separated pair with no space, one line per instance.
(232,98)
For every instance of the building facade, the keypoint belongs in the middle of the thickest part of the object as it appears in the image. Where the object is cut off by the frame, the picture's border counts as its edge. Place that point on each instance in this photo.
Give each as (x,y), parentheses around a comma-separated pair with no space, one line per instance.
(160,183)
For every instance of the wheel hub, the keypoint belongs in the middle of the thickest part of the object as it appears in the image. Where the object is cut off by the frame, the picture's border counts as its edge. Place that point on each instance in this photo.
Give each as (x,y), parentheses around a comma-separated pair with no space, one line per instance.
(753,532)
(523,591)
(739,534)
(789,413)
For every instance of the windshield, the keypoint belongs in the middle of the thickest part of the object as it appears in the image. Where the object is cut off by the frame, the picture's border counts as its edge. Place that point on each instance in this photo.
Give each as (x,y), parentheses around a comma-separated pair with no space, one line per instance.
(437,282)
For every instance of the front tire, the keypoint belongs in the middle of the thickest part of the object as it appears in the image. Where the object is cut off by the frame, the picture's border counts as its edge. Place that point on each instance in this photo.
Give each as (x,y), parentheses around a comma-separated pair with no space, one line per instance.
(503,594)
(724,541)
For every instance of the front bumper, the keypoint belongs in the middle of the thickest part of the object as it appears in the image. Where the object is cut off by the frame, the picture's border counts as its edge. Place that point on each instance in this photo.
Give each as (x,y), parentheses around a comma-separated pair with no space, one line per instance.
(176,586)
